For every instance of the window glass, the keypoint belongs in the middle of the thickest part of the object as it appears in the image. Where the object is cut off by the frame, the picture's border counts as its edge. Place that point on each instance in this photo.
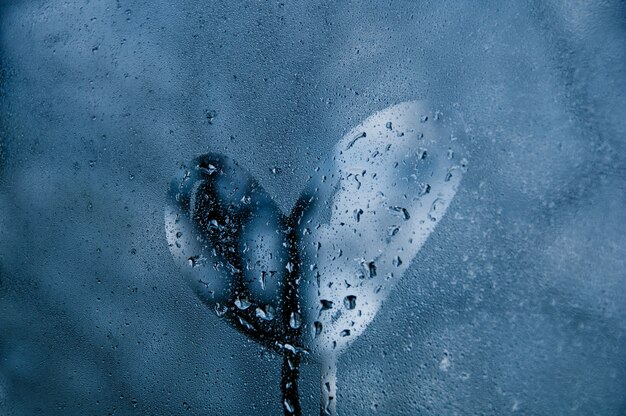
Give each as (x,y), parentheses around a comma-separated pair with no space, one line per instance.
(500,289)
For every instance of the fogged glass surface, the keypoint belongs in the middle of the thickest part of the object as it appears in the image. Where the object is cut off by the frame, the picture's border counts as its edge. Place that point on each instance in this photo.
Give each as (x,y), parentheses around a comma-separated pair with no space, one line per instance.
(119,118)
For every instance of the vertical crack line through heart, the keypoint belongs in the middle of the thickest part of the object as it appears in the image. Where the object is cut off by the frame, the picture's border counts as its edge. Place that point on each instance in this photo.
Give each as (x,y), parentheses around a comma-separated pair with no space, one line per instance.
(290,304)
(289,384)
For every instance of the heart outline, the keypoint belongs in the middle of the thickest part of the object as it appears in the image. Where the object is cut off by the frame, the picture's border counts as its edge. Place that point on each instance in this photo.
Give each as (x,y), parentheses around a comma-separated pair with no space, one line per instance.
(401,120)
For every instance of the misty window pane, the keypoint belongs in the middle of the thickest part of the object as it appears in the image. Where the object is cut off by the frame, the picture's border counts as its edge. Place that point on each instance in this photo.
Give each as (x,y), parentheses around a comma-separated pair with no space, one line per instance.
(258,208)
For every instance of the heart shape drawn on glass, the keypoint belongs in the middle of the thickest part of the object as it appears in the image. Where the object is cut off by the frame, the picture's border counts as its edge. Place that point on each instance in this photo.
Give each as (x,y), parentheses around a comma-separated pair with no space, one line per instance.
(309,283)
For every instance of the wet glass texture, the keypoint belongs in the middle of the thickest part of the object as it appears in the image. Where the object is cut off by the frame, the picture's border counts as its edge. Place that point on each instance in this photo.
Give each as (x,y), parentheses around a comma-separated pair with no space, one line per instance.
(340,208)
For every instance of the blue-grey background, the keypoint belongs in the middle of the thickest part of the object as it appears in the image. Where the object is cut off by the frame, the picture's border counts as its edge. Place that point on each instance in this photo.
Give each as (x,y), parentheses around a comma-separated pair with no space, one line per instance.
(515,305)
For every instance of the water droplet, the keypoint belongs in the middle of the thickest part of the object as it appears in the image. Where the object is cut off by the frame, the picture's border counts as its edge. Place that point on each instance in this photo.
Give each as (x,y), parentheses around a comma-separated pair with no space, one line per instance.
(423,119)
(328,409)
(436,209)
(210,116)
(349,302)
(351,143)
(208,170)
(357,214)
(293,348)
(267,313)
(276,170)
(393,230)
(242,303)
(326,304)
(402,211)
(289,267)
(345,333)
(295,320)
(245,323)
(317,328)
(288,406)
(370,267)
(397,261)
(220,309)
(389,126)
(444,364)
